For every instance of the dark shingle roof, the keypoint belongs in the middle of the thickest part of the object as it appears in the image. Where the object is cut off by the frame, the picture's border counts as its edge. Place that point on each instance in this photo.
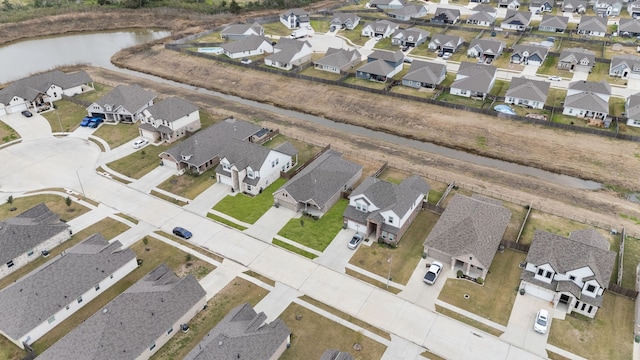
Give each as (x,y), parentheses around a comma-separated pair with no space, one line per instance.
(286,49)
(470,226)
(45,291)
(474,77)
(251,42)
(577,55)
(22,233)
(242,334)
(171,109)
(425,72)
(128,325)
(633,106)
(130,97)
(30,87)
(593,23)
(598,87)
(389,56)
(528,89)
(554,21)
(377,67)
(339,58)
(286,148)
(587,101)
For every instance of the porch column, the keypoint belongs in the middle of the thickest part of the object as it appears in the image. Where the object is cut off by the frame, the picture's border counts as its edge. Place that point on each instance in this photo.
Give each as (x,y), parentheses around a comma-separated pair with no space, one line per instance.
(468,268)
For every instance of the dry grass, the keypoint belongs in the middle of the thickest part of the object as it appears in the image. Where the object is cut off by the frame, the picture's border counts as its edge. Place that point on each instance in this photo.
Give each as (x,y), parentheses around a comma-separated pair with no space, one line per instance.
(372,281)
(140,162)
(306,151)
(55,203)
(392,175)
(189,186)
(262,278)
(117,134)
(463,319)
(553,224)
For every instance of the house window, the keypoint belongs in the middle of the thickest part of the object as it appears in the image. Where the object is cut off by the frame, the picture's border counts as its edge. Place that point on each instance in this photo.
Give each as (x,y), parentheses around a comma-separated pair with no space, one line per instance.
(273,164)
(361,207)
(67,307)
(170,330)
(277,161)
(577,304)
(152,346)
(97,287)
(51,319)
(10,264)
(390,236)
(226,166)
(390,220)
(591,288)
(540,272)
(30,253)
(79,299)
(248,187)
(572,278)
(250,174)
(111,276)
(548,275)
(583,306)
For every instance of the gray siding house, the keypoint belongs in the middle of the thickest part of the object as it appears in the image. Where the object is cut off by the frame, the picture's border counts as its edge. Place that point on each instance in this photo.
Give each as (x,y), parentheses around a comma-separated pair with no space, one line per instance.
(424,74)
(527,92)
(169,119)
(577,59)
(124,104)
(338,60)
(553,23)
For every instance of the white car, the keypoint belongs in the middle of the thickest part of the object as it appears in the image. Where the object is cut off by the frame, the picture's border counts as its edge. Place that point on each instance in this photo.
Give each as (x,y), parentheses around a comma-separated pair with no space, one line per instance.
(555,78)
(446,55)
(432,275)
(542,321)
(140,143)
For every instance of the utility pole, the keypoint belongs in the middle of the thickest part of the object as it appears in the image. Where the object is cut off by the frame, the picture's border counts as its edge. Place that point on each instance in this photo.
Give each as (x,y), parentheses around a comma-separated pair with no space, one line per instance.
(389,274)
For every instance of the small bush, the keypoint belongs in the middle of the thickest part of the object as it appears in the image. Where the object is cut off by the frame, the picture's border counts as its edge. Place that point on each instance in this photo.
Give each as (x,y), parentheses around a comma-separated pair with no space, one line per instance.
(480,280)
(459,274)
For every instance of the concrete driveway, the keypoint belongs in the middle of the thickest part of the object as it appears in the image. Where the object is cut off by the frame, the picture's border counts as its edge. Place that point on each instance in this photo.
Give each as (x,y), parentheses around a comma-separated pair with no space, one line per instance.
(337,255)
(520,326)
(321,42)
(424,295)
(31,128)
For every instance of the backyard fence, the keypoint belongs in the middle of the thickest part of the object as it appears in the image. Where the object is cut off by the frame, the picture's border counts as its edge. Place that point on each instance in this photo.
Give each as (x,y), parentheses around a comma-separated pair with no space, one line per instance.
(289,175)
(617,289)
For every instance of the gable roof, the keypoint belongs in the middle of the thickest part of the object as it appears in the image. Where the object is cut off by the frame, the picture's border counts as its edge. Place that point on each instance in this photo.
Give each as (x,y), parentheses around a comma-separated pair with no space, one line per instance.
(600,87)
(425,72)
(171,109)
(241,29)
(409,10)
(381,26)
(593,23)
(587,101)
(242,334)
(447,40)
(388,56)
(322,179)
(131,322)
(251,42)
(470,225)
(377,67)
(48,289)
(481,16)
(629,25)
(414,32)
(474,77)
(30,87)
(633,106)
(485,8)
(531,49)
(523,88)
(342,18)
(208,143)
(577,55)
(515,17)
(574,4)
(339,57)
(631,61)
(554,21)
(22,233)
(130,97)
(448,12)
(286,49)
(488,46)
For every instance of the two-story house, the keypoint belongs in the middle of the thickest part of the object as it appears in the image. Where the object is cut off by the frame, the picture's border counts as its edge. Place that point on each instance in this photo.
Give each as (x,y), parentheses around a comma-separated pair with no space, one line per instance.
(295,18)
(577,59)
(124,103)
(169,119)
(587,99)
(527,92)
(474,80)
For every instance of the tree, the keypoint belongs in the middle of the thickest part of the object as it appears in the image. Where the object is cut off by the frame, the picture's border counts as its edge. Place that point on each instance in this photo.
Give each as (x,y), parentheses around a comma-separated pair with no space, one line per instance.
(234,7)
(7,6)
(10,199)
(223,4)
(67,201)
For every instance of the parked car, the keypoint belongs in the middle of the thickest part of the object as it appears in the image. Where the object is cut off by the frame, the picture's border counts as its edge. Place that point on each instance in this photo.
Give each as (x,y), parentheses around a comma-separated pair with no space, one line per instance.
(94,122)
(432,274)
(246,61)
(182,232)
(489,60)
(408,60)
(140,143)
(555,78)
(355,241)
(446,55)
(440,53)
(27,113)
(405,48)
(85,121)
(542,321)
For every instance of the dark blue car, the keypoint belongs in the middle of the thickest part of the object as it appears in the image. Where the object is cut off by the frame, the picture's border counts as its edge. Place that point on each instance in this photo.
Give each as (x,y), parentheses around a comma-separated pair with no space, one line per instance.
(182,232)
(85,121)
(94,122)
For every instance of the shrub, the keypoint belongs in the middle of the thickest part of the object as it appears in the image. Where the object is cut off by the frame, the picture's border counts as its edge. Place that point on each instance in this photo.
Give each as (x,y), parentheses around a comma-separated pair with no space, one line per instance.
(480,280)
(459,274)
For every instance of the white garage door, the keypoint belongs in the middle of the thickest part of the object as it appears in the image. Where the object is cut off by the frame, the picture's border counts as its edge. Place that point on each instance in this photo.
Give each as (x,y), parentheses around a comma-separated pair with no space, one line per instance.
(225,180)
(170,164)
(539,292)
(17,108)
(3,111)
(354,225)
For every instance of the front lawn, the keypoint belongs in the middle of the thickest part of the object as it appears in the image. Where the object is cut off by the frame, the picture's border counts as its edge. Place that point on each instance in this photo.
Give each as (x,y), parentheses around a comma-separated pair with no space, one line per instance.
(404,258)
(7,133)
(55,203)
(316,234)
(355,35)
(608,336)
(117,134)
(246,208)
(495,298)
(140,162)
(66,117)
(189,186)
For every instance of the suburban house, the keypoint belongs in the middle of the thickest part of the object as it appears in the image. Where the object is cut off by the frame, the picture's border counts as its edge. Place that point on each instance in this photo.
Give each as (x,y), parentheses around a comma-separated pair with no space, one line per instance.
(604,8)
(593,26)
(137,322)
(39,301)
(468,233)
(485,48)
(245,334)
(540,6)
(252,45)
(553,23)
(386,4)
(38,92)
(337,60)
(473,80)
(288,53)
(587,99)
(445,43)
(576,59)
(509,4)
(409,37)
(516,20)
(241,31)
(295,18)
(634,10)
(425,74)
(528,54)
(632,110)
(408,12)
(23,238)
(169,119)
(317,187)
(574,6)
(629,27)
(202,151)
(625,66)
(345,21)
(446,16)
(383,28)
(483,15)
(124,103)
(527,92)
(572,272)
(381,65)
(384,210)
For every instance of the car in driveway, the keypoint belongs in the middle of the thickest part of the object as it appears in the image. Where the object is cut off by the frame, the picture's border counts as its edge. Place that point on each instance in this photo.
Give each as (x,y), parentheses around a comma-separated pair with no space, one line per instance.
(182,232)
(94,122)
(27,113)
(85,121)
(432,274)
(542,321)
(140,143)
(555,78)
(355,241)
(446,55)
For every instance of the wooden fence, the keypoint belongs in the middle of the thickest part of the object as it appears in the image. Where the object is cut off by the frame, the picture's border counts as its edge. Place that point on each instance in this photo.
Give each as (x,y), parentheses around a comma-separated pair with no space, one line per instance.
(617,289)
(515,246)
(289,175)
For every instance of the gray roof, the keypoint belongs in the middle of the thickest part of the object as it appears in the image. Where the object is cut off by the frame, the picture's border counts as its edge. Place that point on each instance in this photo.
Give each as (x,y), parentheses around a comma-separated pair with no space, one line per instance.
(171,109)
(409,10)
(381,26)
(601,87)
(629,25)
(322,179)
(482,16)
(209,143)
(425,71)
(528,89)
(342,18)
(286,49)
(591,237)
(554,21)
(286,148)
(520,49)
(631,61)
(243,154)
(242,334)
(414,32)
(474,77)
(242,29)
(389,56)
(332,354)
(593,23)
(130,97)
(587,101)
(577,55)
(447,40)
(488,46)
(450,13)
(575,4)
(378,67)
(485,8)
(22,233)
(48,289)
(128,325)
(30,87)
(470,226)
(515,17)
(633,106)
(339,57)
(251,42)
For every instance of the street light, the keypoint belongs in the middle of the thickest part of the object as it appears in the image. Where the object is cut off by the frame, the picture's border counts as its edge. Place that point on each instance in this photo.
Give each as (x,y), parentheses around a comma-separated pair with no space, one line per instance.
(389,274)
(80,181)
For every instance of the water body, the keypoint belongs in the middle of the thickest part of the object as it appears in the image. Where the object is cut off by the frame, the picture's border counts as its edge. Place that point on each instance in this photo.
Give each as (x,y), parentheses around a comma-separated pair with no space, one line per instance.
(21,59)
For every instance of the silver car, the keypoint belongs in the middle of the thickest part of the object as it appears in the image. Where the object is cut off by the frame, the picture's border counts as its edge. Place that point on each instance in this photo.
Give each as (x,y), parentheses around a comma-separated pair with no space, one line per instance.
(355,241)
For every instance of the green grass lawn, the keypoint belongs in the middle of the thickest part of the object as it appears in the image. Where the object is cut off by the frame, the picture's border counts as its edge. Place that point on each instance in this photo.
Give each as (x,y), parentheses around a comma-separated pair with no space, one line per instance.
(461,100)
(608,336)
(117,134)
(306,151)
(293,248)
(550,67)
(66,117)
(404,258)
(92,96)
(225,221)
(366,83)
(310,71)
(551,223)
(316,234)
(246,208)
(7,133)
(499,88)
(140,162)
(55,203)
(355,35)
(463,319)
(276,28)
(189,186)
(631,260)
(320,26)
(495,298)
(601,72)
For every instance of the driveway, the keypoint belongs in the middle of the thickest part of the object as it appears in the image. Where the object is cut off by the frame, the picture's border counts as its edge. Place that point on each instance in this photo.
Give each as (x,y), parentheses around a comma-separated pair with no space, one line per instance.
(520,326)
(35,127)
(337,255)
(322,42)
(580,75)
(419,293)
